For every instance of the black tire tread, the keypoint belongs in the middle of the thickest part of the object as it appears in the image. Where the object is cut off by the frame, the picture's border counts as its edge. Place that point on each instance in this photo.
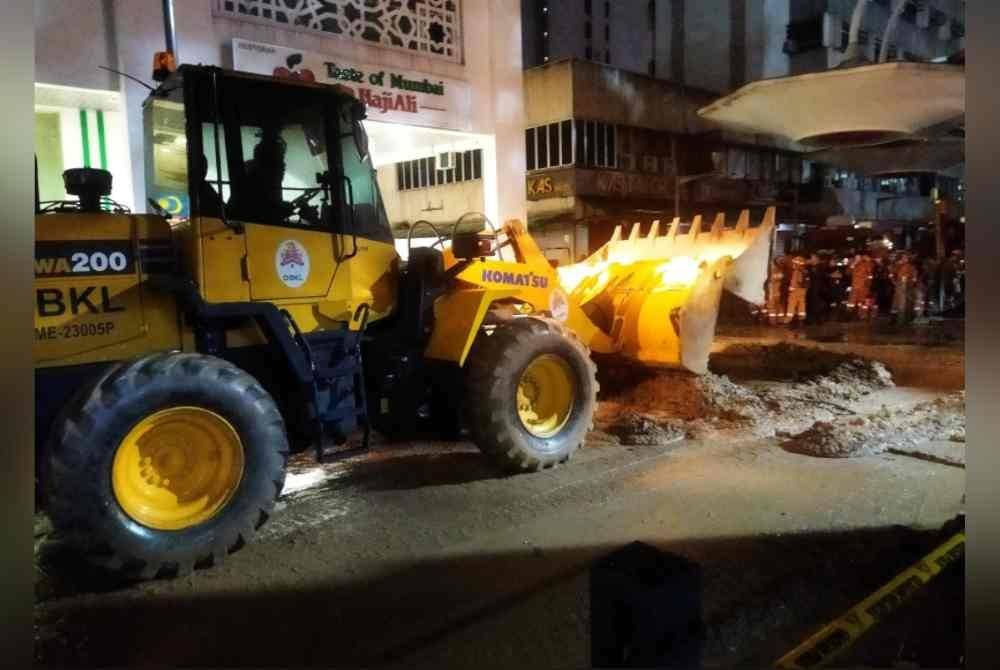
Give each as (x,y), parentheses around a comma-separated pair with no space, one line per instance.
(491,358)
(68,447)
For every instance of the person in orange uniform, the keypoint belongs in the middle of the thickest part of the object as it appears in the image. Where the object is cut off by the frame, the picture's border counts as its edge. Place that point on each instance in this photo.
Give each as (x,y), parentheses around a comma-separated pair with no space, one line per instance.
(798,283)
(775,291)
(862,273)
(904,279)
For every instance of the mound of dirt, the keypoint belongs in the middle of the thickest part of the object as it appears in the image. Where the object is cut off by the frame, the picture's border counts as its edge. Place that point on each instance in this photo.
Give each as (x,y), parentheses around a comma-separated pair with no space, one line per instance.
(939,420)
(707,404)
(850,380)
(632,428)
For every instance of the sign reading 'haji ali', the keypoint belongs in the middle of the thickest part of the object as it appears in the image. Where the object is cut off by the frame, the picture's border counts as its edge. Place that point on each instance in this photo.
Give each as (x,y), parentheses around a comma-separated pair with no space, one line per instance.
(390,94)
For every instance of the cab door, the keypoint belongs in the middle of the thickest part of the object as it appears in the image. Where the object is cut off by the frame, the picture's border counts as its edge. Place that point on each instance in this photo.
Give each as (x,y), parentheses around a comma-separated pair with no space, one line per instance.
(285,262)
(284,204)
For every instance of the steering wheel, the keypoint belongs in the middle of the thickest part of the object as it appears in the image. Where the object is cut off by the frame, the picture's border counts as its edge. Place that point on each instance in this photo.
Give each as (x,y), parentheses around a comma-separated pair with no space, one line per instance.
(409,236)
(300,205)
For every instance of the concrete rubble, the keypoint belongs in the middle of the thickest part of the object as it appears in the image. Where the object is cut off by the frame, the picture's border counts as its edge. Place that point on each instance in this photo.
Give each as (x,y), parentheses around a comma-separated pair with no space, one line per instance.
(899,430)
(818,402)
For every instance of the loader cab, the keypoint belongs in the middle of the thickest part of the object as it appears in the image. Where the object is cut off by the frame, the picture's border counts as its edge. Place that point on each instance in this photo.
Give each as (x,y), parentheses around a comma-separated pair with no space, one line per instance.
(270,190)
(255,149)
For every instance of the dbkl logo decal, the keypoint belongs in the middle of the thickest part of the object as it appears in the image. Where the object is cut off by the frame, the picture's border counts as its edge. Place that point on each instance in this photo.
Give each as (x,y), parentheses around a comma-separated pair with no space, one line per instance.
(292,263)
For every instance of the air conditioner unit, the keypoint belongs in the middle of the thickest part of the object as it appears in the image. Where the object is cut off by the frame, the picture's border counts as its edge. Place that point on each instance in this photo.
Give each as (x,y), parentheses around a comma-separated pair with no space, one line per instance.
(650,163)
(446,160)
(832,28)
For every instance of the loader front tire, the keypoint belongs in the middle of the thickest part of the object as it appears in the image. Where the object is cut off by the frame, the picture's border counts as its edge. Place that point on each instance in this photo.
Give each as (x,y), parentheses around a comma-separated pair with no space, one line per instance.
(531,389)
(166,463)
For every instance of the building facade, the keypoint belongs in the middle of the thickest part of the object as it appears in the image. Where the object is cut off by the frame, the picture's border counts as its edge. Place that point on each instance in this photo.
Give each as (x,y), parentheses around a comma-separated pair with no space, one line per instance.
(442,80)
(818,31)
(612,98)
(605,146)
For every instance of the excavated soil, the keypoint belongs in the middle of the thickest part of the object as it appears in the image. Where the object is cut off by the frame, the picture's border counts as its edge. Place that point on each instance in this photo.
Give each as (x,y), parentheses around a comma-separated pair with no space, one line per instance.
(783,361)
(793,387)
(635,429)
(941,420)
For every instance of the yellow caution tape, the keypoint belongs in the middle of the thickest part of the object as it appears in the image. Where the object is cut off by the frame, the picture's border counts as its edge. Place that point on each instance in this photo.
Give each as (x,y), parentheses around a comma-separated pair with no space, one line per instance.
(837,636)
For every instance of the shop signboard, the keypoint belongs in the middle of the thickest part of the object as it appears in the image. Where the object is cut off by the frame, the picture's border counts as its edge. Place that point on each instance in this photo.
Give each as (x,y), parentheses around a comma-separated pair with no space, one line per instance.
(390,94)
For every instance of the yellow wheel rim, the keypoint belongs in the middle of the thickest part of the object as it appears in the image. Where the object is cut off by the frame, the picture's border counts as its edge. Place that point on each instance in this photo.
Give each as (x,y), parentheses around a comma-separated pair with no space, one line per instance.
(177,468)
(545,395)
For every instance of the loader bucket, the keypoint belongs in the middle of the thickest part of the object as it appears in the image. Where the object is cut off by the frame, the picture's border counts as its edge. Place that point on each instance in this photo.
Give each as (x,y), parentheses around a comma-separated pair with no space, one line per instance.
(656,297)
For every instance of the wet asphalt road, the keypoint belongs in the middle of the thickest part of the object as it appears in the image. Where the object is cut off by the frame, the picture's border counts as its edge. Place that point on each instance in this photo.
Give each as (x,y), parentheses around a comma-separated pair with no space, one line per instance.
(422,556)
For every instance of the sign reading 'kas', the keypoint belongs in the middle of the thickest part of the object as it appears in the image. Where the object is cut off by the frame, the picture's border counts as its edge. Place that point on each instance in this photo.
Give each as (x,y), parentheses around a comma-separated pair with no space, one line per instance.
(392,95)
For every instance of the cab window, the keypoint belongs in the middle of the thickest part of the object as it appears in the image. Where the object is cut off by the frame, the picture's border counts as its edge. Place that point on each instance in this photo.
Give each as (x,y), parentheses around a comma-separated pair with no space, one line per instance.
(360,181)
(285,169)
(166,161)
(274,156)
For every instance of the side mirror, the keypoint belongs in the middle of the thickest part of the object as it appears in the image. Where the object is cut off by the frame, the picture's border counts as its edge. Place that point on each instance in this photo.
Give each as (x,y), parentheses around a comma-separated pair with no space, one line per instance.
(361,140)
(471,245)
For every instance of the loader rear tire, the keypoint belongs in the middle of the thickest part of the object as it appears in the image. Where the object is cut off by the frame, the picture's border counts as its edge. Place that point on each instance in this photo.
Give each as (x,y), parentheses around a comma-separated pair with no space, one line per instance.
(197,419)
(531,389)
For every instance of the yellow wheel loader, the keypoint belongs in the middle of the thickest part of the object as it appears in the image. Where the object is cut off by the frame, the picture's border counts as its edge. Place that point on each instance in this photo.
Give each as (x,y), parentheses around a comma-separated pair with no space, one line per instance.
(181,356)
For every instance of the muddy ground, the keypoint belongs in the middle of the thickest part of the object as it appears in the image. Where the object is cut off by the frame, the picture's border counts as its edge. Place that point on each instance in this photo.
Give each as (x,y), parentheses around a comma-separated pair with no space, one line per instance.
(816,401)
(421,555)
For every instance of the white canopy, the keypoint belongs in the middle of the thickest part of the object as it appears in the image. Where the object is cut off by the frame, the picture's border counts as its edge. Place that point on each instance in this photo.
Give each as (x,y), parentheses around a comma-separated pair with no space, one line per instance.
(854,106)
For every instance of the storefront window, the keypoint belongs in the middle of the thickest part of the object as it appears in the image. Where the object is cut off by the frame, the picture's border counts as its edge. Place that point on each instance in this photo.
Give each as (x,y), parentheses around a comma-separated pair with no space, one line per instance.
(423,172)
(549,146)
(49,155)
(77,128)
(753,165)
(737,163)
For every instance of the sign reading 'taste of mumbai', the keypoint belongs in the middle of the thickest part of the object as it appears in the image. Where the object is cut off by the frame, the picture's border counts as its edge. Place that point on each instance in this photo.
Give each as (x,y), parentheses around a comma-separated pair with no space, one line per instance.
(390,94)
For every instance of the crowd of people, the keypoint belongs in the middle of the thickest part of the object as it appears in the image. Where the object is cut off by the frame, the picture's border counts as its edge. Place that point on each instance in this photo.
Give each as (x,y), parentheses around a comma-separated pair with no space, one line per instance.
(904,285)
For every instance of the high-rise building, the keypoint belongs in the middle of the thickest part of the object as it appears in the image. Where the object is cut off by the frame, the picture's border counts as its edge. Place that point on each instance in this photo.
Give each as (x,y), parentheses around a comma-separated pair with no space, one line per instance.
(719,45)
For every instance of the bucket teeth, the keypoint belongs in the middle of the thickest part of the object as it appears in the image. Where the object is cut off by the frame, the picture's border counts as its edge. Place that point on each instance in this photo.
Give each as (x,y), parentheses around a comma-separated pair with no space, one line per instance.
(642,282)
(720,223)
(674,226)
(695,230)
(744,222)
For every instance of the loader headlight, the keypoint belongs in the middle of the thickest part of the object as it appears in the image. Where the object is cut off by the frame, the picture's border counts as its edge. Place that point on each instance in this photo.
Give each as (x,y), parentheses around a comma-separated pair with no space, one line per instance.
(678,272)
(559,305)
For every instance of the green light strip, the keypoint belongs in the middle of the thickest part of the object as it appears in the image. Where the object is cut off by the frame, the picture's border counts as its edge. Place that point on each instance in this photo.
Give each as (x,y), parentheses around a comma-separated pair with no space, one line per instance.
(85,137)
(100,140)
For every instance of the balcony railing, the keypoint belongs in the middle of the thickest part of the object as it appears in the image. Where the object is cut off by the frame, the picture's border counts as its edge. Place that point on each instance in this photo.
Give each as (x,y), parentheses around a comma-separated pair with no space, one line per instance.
(427,27)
